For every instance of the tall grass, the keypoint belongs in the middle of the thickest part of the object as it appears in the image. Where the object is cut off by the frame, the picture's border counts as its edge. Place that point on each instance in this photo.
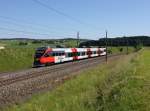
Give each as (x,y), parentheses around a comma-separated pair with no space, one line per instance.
(16,58)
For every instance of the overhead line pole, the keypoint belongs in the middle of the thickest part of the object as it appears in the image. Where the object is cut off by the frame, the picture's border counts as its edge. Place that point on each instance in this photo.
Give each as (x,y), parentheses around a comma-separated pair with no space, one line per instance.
(78,37)
(127,45)
(106,45)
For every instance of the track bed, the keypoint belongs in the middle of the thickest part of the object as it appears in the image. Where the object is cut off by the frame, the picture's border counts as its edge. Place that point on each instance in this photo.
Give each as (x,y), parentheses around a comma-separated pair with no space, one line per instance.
(15,87)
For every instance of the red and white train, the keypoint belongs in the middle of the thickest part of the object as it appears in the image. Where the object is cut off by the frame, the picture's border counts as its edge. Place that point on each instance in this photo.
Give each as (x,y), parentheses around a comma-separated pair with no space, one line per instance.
(46,56)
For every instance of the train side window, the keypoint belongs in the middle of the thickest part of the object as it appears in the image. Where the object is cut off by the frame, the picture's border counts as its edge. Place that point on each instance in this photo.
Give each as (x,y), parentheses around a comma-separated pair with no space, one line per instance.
(83,53)
(53,54)
(59,54)
(62,53)
(68,54)
(78,53)
(48,54)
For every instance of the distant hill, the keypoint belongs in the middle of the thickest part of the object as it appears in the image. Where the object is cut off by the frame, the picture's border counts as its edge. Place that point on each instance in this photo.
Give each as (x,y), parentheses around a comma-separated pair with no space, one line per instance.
(119,41)
(16,39)
(20,39)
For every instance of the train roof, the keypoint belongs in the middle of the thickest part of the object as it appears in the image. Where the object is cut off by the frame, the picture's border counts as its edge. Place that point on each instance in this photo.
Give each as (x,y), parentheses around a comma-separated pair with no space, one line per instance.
(66,49)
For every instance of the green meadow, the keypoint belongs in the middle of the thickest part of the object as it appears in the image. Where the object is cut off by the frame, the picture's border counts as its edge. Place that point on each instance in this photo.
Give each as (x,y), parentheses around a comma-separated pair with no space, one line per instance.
(119,85)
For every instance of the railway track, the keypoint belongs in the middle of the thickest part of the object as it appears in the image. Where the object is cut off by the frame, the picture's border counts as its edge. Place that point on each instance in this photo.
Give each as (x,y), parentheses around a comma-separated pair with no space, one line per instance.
(41,72)
(19,86)
(44,71)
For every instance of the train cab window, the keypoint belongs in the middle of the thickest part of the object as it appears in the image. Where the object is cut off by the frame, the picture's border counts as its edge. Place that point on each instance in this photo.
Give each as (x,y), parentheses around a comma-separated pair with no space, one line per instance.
(94,52)
(46,55)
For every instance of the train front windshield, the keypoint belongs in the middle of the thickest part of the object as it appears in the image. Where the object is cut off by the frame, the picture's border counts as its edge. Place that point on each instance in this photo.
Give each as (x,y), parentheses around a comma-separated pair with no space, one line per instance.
(39,52)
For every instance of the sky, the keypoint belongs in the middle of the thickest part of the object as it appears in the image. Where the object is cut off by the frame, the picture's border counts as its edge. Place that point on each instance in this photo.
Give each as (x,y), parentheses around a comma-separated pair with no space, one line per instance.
(64,18)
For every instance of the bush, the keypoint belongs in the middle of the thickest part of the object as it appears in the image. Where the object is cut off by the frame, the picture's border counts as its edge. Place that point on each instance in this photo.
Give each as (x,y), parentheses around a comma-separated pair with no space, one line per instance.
(121,49)
(50,42)
(23,43)
(36,42)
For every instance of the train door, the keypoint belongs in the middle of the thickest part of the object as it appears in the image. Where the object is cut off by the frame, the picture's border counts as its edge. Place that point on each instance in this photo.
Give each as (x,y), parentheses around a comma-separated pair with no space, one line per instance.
(89,52)
(74,54)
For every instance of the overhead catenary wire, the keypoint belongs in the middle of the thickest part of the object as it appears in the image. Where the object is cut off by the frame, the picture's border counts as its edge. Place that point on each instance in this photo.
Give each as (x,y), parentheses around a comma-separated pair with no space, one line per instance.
(33,24)
(24,27)
(50,8)
(41,25)
(27,24)
(31,33)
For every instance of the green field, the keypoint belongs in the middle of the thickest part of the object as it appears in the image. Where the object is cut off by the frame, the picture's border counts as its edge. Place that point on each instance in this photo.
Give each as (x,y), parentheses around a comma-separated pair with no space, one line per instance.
(120,85)
(17,56)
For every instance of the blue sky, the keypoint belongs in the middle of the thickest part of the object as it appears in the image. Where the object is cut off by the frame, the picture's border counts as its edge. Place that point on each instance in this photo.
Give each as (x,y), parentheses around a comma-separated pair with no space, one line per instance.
(26,18)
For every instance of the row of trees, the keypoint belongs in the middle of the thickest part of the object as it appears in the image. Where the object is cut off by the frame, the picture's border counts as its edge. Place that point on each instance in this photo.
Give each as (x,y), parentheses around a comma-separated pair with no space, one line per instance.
(119,41)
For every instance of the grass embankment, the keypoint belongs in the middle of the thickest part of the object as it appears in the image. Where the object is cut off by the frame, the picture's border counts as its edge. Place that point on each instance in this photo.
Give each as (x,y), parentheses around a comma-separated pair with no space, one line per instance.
(120,85)
(16,58)
(120,49)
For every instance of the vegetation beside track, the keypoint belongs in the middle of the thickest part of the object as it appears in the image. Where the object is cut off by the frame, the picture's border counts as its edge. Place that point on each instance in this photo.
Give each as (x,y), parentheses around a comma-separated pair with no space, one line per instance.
(120,85)
(16,58)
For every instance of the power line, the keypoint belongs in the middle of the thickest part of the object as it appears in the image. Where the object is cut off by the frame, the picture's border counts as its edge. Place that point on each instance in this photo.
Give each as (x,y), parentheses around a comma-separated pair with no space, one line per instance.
(62,13)
(29,32)
(17,22)
(14,22)
(31,23)
(24,26)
